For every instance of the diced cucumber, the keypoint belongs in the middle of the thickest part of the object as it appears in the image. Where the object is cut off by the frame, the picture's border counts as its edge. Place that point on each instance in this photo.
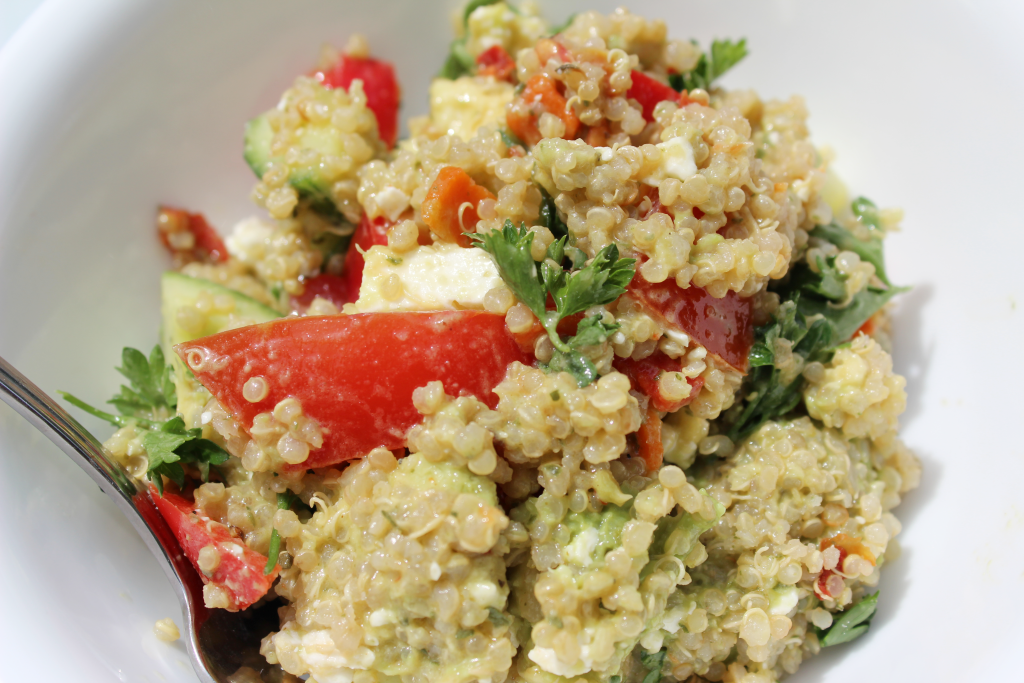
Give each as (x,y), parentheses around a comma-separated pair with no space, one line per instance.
(308,181)
(182,292)
(258,136)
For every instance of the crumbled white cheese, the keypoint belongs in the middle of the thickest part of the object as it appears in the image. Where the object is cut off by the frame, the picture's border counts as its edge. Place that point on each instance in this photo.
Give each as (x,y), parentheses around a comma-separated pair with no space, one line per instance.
(249,239)
(429,278)
(677,159)
(580,551)
(321,656)
(783,599)
(547,659)
(484,593)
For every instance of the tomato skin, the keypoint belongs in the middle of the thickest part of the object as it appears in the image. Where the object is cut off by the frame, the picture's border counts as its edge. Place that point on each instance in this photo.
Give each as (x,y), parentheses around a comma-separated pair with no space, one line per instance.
(383,96)
(496,61)
(355,374)
(648,92)
(208,245)
(240,571)
(723,326)
(344,289)
(644,374)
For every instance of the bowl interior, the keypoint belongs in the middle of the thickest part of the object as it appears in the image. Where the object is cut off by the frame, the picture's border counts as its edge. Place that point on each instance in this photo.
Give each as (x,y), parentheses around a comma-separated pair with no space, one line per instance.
(114,106)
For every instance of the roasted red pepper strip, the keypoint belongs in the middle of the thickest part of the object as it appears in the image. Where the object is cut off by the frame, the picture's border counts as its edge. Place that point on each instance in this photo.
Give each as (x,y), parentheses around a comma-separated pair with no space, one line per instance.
(723,326)
(648,92)
(540,95)
(644,375)
(651,448)
(495,61)
(207,246)
(449,208)
(355,374)
(383,95)
(240,569)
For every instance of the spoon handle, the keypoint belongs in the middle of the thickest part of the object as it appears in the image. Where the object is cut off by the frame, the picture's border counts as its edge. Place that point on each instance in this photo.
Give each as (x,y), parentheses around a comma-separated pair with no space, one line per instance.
(43,413)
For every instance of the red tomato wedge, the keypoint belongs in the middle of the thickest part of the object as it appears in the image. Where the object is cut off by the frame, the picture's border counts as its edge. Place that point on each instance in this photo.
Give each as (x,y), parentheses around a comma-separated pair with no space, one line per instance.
(723,326)
(495,61)
(383,95)
(644,374)
(240,571)
(648,92)
(355,374)
(207,246)
(344,289)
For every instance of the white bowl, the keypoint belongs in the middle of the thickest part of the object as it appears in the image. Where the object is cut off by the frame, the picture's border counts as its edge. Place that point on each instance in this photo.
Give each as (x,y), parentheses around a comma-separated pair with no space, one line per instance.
(110,107)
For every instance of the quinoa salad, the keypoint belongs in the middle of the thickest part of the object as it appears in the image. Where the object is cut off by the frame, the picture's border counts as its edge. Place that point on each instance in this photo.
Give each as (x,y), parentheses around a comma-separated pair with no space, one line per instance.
(588,379)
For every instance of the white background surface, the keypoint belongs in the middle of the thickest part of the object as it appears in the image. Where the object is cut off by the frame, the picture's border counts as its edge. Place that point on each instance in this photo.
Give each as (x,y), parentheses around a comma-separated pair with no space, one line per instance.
(109,107)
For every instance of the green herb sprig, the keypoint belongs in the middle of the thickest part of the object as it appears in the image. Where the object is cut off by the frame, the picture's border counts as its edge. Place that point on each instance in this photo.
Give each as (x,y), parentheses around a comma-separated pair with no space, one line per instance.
(148,402)
(654,663)
(723,55)
(284,502)
(815,318)
(853,623)
(459,62)
(600,282)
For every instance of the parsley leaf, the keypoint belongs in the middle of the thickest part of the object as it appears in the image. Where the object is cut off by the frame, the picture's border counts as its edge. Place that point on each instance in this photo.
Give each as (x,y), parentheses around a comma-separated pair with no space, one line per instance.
(813,324)
(509,138)
(853,622)
(549,216)
(168,443)
(495,616)
(171,445)
(654,663)
(510,248)
(869,250)
(459,62)
(866,212)
(600,282)
(724,55)
(555,30)
(151,385)
(284,502)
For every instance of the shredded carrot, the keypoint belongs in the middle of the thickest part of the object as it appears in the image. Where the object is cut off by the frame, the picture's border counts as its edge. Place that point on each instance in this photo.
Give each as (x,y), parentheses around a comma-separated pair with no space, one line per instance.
(540,95)
(649,440)
(450,207)
(867,328)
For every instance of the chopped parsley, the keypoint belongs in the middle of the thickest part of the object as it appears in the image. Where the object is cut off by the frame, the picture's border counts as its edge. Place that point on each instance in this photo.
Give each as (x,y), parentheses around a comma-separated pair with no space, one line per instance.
(284,502)
(853,623)
(495,616)
(654,663)
(600,282)
(146,403)
(549,215)
(815,319)
(459,62)
(555,30)
(723,55)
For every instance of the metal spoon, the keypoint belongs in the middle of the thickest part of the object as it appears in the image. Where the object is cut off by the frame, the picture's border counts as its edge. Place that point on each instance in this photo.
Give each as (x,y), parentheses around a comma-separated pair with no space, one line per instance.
(218,642)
